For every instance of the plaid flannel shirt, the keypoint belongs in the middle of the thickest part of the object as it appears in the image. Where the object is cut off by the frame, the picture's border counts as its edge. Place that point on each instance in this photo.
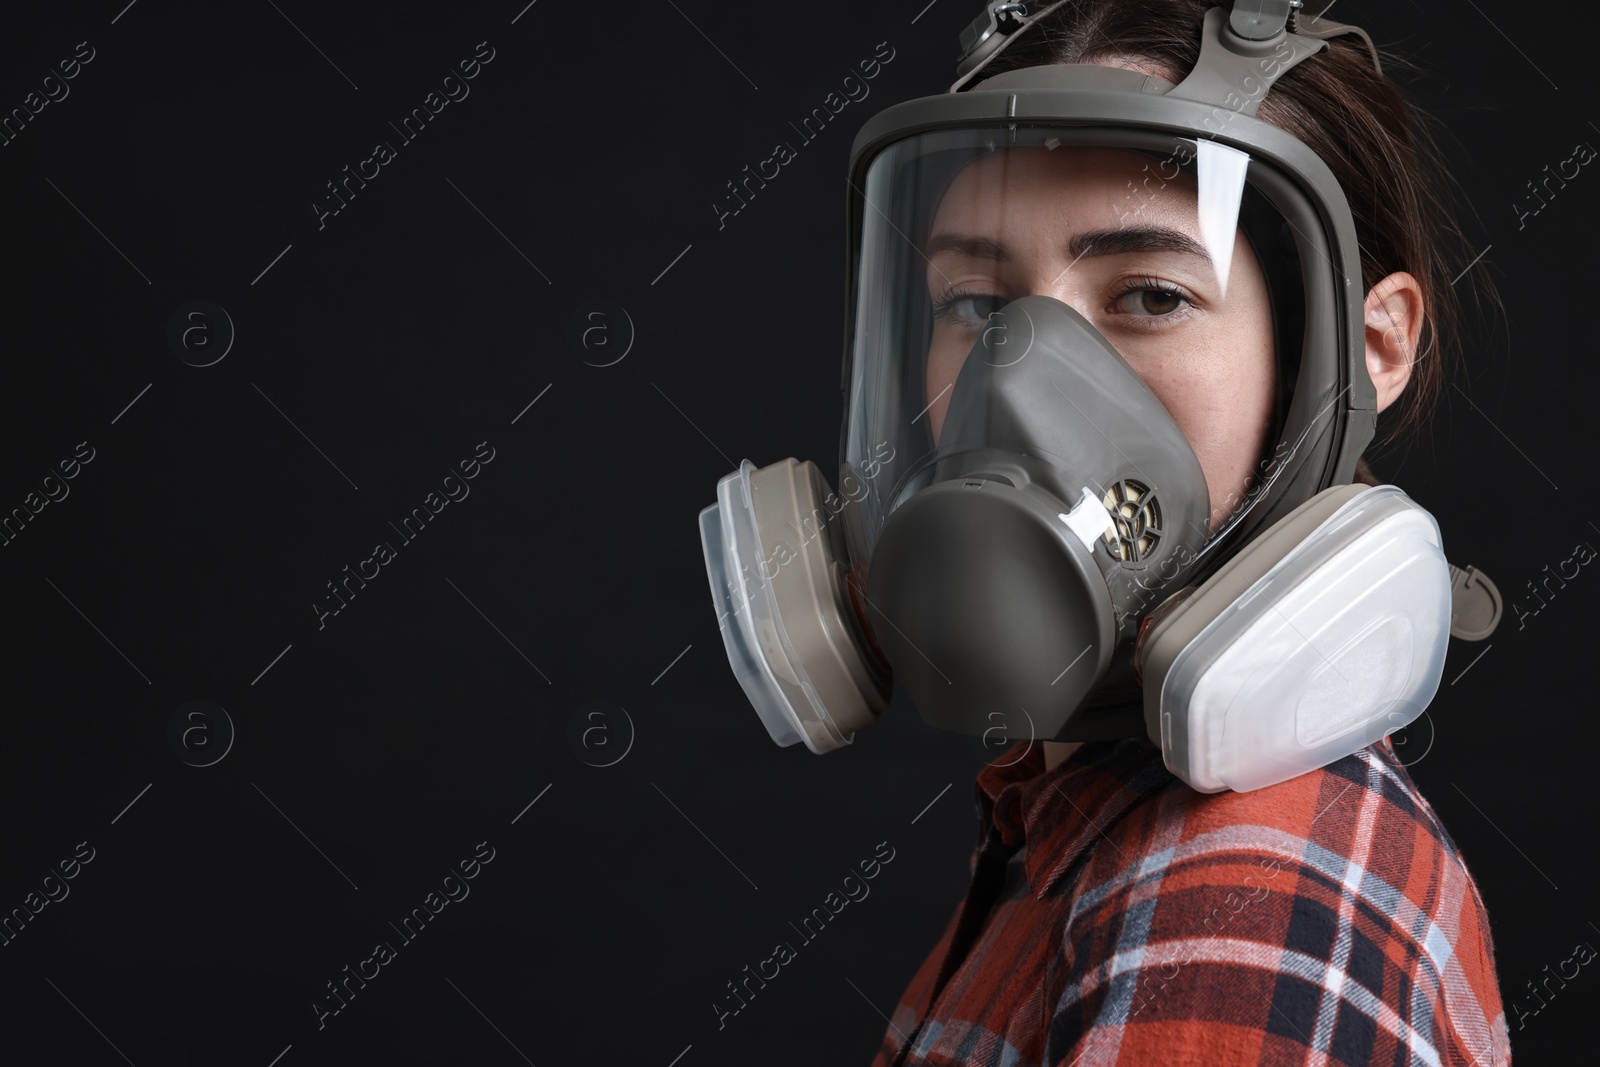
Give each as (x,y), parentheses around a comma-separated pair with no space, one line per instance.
(1116,916)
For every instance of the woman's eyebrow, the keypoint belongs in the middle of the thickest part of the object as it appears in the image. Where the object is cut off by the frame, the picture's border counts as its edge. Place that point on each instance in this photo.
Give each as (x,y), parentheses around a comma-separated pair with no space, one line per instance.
(1088,244)
(1135,239)
(966,245)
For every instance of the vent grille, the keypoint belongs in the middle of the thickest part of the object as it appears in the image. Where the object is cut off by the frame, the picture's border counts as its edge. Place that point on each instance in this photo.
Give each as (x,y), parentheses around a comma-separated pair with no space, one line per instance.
(1137,515)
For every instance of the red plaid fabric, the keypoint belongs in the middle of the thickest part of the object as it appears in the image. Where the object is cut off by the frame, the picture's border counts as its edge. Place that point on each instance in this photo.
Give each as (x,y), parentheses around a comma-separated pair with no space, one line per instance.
(1116,916)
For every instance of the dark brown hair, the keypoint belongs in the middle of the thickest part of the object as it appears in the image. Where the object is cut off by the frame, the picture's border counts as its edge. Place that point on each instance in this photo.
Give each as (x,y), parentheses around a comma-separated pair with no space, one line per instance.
(1377,144)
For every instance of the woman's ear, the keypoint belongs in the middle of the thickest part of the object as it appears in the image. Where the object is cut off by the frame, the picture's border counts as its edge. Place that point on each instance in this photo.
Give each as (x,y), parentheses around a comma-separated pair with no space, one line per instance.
(1394,315)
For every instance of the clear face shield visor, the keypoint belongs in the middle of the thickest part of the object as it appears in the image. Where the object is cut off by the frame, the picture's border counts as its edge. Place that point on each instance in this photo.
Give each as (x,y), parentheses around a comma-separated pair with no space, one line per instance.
(1160,245)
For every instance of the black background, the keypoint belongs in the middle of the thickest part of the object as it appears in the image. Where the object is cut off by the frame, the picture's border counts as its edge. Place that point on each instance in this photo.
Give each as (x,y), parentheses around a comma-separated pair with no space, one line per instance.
(378,351)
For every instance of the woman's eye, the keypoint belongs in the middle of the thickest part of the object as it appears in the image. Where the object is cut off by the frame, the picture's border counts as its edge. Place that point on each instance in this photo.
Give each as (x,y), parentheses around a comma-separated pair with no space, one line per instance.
(969,307)
(1151,301)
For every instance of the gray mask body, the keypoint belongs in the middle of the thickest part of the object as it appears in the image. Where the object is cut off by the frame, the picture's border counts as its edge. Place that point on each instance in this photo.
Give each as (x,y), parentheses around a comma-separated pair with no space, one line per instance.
(1064,504)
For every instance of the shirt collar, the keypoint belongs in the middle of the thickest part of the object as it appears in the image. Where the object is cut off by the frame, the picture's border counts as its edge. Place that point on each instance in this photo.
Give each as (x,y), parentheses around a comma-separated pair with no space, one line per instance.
(1054,816)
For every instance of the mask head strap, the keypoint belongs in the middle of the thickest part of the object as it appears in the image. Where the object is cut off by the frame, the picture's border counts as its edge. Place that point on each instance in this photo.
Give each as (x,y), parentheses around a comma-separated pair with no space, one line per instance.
(1230,68)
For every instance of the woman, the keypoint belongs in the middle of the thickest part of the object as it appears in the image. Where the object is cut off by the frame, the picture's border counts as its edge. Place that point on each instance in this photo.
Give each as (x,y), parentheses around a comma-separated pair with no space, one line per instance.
(1199,928)
(1124,311)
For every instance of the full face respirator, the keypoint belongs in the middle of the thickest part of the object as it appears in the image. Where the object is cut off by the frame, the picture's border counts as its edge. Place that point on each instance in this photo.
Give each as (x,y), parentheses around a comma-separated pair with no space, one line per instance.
(1023,536)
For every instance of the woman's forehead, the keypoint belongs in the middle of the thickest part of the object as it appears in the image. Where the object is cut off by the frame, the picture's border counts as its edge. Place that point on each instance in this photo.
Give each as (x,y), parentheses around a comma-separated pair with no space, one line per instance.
(1017,186)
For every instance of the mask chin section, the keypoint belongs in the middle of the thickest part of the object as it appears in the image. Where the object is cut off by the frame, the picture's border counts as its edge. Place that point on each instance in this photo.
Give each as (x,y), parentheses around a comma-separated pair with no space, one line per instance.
(984,599)
(774,552)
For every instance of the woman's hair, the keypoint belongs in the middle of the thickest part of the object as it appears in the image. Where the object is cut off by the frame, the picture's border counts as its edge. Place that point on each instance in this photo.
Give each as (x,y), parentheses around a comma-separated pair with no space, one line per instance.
(1379,147)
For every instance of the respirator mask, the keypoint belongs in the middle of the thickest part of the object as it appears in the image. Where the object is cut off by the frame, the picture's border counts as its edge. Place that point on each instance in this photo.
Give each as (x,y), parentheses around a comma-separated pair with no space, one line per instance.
(1043,265)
